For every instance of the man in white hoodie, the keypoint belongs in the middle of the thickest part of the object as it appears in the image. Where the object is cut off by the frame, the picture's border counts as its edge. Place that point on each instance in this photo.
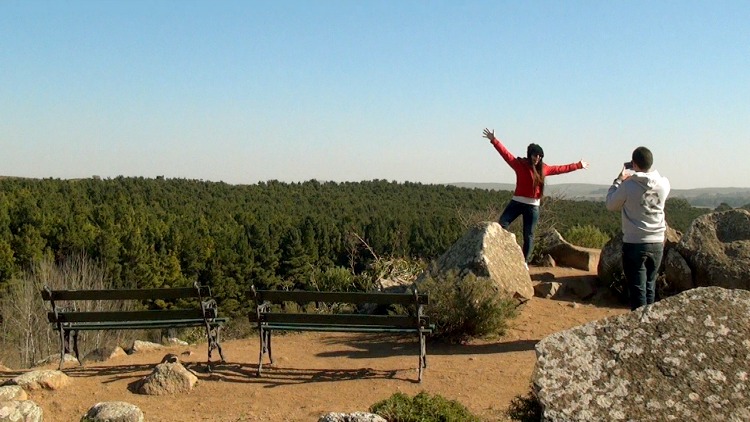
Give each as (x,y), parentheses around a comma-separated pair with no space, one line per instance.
(640,195)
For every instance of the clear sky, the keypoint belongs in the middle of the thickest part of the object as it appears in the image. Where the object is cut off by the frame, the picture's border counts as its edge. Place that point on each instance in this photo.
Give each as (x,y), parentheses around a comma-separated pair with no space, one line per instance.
(351,90)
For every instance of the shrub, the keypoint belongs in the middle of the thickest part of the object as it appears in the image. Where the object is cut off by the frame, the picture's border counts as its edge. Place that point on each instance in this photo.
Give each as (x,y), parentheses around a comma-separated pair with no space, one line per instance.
(335,279)
(587,236)
(466,308)
(525,408)
(422,408)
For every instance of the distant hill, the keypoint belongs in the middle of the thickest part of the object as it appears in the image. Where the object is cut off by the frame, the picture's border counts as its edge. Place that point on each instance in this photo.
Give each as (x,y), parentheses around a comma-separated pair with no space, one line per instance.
(702,197)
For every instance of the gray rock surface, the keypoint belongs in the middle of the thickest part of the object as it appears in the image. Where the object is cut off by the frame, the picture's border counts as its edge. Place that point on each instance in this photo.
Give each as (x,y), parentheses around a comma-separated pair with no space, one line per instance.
(683,358)
(104,353)
(487,250)
(12,392)
(167,378)
(113,411)
(565,254)
(716,246)
(351,417)
(43,379)
(143,346)
(20,411)
(677,272)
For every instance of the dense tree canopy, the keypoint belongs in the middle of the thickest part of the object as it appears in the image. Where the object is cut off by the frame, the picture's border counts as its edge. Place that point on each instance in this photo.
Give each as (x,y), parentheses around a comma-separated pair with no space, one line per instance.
(172,232)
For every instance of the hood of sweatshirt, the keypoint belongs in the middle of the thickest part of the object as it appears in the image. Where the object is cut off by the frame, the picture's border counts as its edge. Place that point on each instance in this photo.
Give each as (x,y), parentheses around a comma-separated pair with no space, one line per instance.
(641,198)
(650,181)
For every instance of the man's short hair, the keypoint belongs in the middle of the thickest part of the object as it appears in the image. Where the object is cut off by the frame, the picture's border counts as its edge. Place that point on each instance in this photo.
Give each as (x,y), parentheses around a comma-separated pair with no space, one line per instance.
(643,158)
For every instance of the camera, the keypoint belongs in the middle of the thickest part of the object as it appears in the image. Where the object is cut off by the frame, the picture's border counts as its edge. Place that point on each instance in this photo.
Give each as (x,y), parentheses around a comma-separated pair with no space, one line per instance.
(628,165)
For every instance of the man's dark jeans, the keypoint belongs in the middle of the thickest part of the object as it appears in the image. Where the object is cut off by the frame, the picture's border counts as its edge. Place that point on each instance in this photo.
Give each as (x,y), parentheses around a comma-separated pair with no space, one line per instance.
(640,263)
(530,215)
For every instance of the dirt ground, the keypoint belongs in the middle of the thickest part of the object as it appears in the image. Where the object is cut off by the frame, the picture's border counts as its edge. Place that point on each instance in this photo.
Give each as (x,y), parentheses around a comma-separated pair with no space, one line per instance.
(317,373)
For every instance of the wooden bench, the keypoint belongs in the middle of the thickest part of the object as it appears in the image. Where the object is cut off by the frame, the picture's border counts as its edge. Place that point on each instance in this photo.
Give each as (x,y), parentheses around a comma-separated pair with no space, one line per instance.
(68,319)
(270,318)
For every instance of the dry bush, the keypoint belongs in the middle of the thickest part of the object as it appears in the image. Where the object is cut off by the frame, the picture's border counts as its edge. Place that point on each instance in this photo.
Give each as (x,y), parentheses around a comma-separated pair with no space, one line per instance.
(27,337)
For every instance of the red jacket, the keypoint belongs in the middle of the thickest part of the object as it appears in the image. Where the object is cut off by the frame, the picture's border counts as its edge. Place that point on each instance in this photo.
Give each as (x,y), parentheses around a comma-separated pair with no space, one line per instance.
(524,175)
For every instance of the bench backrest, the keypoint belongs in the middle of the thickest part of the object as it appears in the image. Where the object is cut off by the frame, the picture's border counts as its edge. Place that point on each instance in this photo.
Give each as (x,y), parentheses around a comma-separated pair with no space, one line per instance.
(127,294)
(265,314)
(358,298)
(63,315)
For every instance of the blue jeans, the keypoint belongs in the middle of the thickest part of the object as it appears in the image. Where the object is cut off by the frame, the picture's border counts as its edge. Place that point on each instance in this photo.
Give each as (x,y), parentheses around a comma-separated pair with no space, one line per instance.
(530,215)
(640,263)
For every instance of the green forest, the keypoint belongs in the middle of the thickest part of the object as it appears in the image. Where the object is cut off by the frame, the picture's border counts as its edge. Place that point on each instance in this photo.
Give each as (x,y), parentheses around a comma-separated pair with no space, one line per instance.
(147,233)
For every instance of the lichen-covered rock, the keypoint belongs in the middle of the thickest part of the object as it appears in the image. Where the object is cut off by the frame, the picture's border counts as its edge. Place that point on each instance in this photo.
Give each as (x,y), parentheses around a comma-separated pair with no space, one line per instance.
(565,254)
(43,379)
(12,392)
(143,346)
(487,250)
(167,378)
(716,246)
(351,417)
(20,411)
(677,272)
(104,353)
(683,358)
(113,411)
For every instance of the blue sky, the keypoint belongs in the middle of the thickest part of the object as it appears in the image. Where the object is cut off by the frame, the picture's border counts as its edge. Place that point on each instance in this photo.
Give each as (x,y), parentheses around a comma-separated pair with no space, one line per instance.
(354,90)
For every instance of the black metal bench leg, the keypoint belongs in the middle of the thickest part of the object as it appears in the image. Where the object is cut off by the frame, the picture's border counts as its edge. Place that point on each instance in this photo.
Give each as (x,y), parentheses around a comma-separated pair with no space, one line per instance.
(262,349)
(213,334)
(75,346)
(64,339)
(268,342)
(422,360)
(218,344)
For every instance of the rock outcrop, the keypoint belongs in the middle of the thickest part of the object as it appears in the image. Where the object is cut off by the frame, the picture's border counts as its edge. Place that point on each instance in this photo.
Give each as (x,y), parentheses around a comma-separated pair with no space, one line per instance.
(351,417)
(683,358)
(113,411)
(167,378)
(12,392)
(43,379)
(20,410)
(716,246)
(487,250)
(565,254)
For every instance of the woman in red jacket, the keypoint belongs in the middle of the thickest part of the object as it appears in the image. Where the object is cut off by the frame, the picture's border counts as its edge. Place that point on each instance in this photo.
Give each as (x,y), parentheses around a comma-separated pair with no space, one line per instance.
(530,174)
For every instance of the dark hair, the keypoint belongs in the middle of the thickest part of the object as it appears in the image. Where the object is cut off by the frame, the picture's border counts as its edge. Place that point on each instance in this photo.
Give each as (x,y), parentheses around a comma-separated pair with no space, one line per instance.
(643,158)
(537,170)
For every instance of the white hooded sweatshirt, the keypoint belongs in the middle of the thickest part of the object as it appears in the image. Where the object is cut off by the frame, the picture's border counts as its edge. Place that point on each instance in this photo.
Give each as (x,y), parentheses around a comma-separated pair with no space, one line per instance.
(641,197)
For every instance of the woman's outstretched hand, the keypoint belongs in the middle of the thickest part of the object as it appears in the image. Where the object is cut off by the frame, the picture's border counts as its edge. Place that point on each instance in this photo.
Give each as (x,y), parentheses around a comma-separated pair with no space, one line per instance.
(584,164)
(489,134)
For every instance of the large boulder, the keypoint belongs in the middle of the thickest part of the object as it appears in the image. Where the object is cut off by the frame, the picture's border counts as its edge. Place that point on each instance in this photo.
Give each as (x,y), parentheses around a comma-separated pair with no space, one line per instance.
(43,379)
(716,246)
(113,411)
(565,254)
(683,358)
(487,250)
(104,353)
(167,378)
(20,410)
(677,272)
(12,392)
(351,417)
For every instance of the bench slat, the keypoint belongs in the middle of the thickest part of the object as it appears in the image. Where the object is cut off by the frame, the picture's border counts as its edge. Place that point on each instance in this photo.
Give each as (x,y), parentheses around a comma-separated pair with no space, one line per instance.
(342,319)
(142,325)
(342,328)
(109,316)
(277,296)
(125,294)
